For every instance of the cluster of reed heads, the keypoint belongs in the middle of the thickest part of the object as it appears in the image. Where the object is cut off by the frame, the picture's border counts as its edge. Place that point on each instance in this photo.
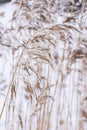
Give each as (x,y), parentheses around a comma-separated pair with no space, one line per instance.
(47,87)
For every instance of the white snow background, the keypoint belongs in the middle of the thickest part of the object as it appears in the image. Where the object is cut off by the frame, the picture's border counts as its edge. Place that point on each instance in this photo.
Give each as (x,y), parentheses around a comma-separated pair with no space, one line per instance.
(67,102)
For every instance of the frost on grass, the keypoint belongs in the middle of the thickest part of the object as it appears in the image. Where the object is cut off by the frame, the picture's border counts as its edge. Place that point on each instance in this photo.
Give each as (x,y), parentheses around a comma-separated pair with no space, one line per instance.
(43,67)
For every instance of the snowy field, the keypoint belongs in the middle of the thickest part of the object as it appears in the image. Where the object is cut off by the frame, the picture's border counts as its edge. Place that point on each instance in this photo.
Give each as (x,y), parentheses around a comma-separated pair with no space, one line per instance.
(43,65)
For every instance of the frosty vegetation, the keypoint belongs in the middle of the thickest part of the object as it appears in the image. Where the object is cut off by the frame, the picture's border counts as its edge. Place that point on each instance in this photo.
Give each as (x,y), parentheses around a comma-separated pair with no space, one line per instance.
(43,67)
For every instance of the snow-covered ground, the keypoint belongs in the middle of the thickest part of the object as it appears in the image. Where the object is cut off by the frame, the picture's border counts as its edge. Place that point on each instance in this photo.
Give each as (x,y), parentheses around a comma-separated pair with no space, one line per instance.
(43,66)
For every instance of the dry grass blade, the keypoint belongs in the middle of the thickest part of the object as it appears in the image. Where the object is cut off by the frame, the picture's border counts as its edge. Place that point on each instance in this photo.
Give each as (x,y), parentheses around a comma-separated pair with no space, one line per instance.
(2,14)
(84,114)
(44,98)
(20,121)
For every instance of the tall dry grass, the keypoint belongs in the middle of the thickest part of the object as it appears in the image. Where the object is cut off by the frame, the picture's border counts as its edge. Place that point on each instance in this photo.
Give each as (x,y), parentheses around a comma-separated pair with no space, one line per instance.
(47,86)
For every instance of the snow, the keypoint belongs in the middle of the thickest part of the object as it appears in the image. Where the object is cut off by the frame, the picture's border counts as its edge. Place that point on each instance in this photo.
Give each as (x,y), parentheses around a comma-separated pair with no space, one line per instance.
(8,10)
(66,105)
